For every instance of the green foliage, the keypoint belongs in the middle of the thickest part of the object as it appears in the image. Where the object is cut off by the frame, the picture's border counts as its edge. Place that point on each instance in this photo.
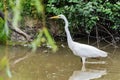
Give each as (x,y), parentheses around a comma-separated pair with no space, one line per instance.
(43,37)
(82,14)
(17,10)
(1,4)
(44,32)
(29,8)
(49,39)
(87,14)
(38,41)
(4,31)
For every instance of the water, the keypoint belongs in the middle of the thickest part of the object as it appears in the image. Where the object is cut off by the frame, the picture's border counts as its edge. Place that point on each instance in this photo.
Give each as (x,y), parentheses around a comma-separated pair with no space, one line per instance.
(62,65)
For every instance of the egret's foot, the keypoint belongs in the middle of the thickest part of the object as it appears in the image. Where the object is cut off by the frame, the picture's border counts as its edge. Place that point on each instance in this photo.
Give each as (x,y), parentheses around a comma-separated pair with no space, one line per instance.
(101,62)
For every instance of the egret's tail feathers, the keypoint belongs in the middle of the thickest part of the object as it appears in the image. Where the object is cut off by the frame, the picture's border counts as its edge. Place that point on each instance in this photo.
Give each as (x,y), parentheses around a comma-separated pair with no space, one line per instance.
(104,54)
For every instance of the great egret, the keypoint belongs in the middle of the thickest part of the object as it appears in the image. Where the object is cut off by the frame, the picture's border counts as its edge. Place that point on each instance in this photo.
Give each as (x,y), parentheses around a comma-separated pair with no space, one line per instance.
(79,49)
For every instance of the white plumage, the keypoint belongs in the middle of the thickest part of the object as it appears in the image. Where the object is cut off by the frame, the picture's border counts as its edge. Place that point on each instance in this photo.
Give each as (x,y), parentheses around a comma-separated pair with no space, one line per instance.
(82,50)
(89,51)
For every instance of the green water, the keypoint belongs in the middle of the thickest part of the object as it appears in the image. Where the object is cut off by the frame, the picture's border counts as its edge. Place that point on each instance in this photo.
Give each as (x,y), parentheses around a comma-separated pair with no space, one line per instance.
(62,65)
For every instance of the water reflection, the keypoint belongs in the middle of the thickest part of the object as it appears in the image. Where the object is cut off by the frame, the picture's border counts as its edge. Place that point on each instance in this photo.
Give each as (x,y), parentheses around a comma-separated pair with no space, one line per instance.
(87,74)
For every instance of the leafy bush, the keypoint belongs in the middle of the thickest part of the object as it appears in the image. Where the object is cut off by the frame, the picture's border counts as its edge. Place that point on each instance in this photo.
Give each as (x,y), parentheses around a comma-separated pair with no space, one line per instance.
(85,14)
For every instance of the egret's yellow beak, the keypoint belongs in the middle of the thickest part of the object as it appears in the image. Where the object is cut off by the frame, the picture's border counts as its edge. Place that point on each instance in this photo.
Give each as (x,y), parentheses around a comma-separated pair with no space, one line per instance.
(54,17)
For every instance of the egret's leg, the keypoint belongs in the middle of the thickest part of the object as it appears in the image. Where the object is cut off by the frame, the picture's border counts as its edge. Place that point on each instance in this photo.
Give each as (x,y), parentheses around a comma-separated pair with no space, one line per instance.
(83,62)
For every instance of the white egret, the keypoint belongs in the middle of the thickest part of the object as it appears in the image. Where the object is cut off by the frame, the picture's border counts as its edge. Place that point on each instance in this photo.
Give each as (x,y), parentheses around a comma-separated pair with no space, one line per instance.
(79,49)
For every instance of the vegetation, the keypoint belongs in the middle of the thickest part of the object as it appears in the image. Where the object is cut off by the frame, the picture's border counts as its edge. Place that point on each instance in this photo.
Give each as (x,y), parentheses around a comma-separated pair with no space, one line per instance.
(98,18)
(24,8)
(87,13)
(3,34)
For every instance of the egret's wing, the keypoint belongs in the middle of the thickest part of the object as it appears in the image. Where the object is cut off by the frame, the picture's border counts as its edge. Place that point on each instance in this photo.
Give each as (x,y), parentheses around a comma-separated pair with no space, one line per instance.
(84,50)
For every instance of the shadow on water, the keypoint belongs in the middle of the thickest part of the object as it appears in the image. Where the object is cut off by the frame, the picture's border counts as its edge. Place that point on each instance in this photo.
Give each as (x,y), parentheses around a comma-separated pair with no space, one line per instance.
(62,65)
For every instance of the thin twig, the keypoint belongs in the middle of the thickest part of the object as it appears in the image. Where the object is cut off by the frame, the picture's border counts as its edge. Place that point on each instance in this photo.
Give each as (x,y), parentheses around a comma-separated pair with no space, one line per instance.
(97,37)
(113,40)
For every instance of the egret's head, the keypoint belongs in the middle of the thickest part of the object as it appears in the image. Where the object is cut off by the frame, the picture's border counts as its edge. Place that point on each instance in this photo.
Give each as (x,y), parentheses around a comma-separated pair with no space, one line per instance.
(58,16)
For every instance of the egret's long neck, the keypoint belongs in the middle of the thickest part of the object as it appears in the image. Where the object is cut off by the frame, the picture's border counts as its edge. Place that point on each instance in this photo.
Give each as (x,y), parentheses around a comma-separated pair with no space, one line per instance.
(69,38)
